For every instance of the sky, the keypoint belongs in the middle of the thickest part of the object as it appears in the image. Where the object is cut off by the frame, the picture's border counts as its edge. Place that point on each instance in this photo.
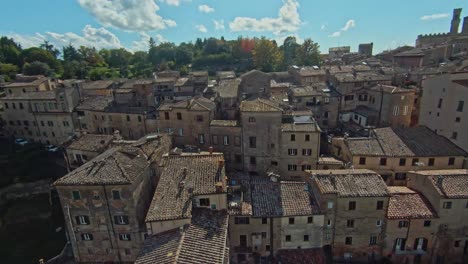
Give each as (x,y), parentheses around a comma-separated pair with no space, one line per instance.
(130,23)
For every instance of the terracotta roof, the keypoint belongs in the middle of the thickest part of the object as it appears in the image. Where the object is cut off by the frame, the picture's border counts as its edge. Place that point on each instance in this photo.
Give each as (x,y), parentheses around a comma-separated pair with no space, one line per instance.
(195,104)
(96,85)
(391,89)
(182,81)
(308,90)
(121,164)
(203,241)
(224,123)
(350,183)
(95,103)
(329,161)
(41,95)
(452,184)
(299,128)
(405,203)
(28,82)
(91,142)
(301,256)
(259,105)
(406,142)
(182,177)
(225,74)
(271,199)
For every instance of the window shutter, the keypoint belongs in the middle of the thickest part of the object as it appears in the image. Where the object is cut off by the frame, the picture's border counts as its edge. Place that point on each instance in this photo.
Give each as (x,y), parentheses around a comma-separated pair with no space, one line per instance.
(424,247)
(403,244)
(77,218)
(416,243)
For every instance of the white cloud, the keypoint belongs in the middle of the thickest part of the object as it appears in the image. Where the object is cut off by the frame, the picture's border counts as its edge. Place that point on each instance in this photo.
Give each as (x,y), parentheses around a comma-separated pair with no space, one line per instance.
(219,24)
(435,16)
(280,39)
(131,15)
(143,43)
(349,24)
(201,28)
(27,41)
(323,27)
(335,34)
(205,9)
(171,2)
(288,20)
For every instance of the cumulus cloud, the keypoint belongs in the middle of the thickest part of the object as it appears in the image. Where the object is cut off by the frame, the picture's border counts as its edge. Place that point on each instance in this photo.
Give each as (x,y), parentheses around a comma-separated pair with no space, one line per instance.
(349,24)
(201,28)
(434,16)
(171,2)
(288,20)
(219,24)
(130,15)
(205,9)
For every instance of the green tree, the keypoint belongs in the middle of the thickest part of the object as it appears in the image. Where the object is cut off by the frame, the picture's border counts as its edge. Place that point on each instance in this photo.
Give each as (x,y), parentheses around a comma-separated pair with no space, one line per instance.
(308,53)
(266,55)
(50,48)
(70,53)
(162,53)
(40,55)
(8,71)
(36,68)
(290,47)
(9,51)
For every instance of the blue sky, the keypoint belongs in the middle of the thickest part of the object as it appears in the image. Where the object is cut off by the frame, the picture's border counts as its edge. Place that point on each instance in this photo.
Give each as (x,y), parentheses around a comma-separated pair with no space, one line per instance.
(130,23)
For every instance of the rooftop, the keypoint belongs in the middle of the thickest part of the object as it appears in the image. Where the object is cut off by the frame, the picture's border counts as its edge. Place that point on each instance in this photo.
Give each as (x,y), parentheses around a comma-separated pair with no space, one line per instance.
(194,104)
(260,105)
(329,161)
(270,199)
(27,81)
(91,142)
(452,184)
(391,89)
(203,241)
(299,127)
(96,85)
(182,177)
(228,88)
(95,103)
(224,123)
(405,203)
(41,95)
(350,183)
(405,142)
(302,256)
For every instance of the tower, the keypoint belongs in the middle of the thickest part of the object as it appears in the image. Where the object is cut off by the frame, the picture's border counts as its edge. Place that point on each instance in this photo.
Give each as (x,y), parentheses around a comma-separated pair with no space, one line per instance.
(455,21)
(465,26)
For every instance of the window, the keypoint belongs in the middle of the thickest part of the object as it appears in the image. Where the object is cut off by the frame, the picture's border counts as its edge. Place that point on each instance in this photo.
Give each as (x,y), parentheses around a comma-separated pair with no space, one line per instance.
(66,124)
(454,135)
(82,220)
(427,223)
(264,221)
(348,240)
(457,119)
(181,132)
(373,240)
(264,234)
(179,116)
(53,134)
(447,205)
(415,162)
(6,105)
(456,243)
(460,106)
(307,137)
(14,105)
(253,160)
(288,238)
(306,237)
(380,205)
(350,223)
(352,205)
(306,167)
(402,224)
(125,237)
(329,205)
(293,137)
(226,140)
(451,161)
(86,236)
(439,105)
(201,138)
(292,167)
(50,123)
(166,115)
(237,141)
(378,223)
(121,219)
(396,110)
(400,176)
(362,160)
(402,162)
(251,119)
(21,106)
(76,195)
(383,161)
(307,152)
(329,222)
(204,201)
(42,123)
(240,220)
(139,118)
(310,219)
(400,244)
(431,162)
(199,118)
(292,152)
(252,142)
(116,195)
(274,163)
(128,251)
(291,220)
(349,97)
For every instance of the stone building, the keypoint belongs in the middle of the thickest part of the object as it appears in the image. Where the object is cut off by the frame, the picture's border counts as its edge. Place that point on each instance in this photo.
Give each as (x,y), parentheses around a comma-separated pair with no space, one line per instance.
(44,116)
(410,225)
(99,88)
(188,181)
(86,147)
(355,204)
(105,200)
(255,84)
(307,74)
(25,84)
(269,216)
(199,80)
(447,191)
(443,106)
(392,152)
(338,52)
(225,136)
(188,121)
(227,99)
(366,49)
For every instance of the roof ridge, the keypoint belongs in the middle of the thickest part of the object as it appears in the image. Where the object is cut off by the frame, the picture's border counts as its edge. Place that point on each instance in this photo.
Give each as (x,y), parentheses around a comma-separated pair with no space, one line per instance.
(179,247)
(121,168)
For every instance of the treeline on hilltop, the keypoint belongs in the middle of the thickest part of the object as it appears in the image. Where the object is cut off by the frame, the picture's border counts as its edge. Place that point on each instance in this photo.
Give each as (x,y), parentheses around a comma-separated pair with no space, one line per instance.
(209,54)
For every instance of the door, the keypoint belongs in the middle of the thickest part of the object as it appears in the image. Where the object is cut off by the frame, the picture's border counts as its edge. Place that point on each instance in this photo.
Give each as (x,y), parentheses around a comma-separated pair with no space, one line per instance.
(243,241)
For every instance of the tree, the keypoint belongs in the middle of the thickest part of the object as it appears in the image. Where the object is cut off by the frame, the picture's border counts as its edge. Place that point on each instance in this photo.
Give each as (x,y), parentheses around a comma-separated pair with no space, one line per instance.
(266,55)
(9,51)
(164,52)
(50,48)
(40,55)
(308,53)
(36,68)
(151,42)
(8,70)
(70,53)
(289,49)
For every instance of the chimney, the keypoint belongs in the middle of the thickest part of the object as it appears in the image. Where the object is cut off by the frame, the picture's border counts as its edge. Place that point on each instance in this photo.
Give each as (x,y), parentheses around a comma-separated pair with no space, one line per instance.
(117,135)
(440,179)
(210,149)
(219,187)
